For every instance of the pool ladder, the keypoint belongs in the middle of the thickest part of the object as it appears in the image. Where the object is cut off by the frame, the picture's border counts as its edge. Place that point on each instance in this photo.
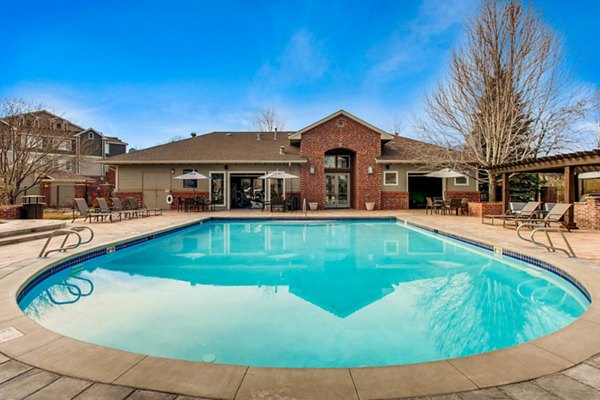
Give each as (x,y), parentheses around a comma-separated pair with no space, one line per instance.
(550,246)
(66,233)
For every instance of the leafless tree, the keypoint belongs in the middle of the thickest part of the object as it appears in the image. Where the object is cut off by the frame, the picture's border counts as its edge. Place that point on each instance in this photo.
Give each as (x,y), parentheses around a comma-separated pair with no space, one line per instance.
(27,150)
(508,95)
(267,120)
(398,126)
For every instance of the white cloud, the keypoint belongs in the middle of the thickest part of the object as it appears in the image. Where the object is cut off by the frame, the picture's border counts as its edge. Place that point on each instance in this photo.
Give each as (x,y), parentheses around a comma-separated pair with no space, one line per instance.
(302,61)
(412,47)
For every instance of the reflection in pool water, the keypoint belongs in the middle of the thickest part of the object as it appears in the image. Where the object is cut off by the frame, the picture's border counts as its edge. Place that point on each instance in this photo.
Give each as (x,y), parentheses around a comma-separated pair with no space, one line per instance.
(304,294)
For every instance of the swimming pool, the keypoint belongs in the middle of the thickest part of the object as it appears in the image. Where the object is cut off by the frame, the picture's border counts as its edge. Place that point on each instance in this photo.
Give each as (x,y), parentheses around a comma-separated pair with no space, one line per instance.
(304,294)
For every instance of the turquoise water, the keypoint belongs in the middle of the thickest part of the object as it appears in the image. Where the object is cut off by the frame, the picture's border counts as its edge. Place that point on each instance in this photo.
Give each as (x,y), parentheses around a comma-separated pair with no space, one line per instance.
(304,294)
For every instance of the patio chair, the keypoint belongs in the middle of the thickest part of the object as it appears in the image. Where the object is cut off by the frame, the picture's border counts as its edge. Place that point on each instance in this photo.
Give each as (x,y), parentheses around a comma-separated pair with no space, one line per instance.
(104,208)
(528,211)
(144,211)
(119,207)
(454,205)
(431,206)
(554,216)
(88,213)
(464,206)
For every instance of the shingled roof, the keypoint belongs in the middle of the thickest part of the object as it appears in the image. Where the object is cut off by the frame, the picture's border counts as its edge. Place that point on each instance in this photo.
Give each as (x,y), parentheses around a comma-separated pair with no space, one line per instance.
(402,149)
(217,147)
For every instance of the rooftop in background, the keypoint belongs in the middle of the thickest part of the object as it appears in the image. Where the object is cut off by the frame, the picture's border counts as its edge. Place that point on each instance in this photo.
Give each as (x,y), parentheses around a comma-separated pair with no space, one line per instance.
(264,147)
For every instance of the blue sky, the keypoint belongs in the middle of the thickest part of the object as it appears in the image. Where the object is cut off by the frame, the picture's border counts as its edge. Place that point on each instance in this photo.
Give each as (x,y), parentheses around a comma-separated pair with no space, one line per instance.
(150,70)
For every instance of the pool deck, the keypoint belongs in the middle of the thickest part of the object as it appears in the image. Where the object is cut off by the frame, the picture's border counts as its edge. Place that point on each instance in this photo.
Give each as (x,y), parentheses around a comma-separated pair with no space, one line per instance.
(42,364)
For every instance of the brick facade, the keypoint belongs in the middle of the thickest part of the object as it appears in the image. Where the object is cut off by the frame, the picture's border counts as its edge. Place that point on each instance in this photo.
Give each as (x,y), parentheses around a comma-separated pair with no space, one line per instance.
(471,196)
(477,209)
(363,143)
(394,200)
(10,212)
(587,213)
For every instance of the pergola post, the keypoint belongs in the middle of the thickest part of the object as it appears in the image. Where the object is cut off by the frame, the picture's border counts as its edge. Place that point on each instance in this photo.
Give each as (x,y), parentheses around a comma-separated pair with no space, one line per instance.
(570,195)
(505,193)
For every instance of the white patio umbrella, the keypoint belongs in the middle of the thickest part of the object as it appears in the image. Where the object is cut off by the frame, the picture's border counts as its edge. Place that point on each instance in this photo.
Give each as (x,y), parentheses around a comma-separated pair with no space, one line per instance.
(444,173)
(277,175)
(192,176)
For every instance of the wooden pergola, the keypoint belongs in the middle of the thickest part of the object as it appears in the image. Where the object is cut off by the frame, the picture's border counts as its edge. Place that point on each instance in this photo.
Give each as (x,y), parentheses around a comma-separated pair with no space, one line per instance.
(569,164)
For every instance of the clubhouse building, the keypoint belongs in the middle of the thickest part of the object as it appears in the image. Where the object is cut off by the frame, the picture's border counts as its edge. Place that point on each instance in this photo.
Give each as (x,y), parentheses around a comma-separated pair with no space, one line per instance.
(340,161)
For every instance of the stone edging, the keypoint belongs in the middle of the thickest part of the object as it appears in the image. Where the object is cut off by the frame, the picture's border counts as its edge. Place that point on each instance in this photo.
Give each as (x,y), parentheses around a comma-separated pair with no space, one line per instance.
(48,350)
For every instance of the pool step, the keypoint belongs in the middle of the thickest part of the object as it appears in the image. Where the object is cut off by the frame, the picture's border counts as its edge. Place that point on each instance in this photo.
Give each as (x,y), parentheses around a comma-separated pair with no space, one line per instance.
(26,234)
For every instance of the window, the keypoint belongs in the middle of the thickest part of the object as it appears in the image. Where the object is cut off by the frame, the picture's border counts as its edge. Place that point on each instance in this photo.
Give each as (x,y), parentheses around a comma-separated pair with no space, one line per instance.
(343,162)
(329,161)
(59,126)
(461,181)
(91,135)
(189,183)
(390,178)
(67,165)
(34,142)
(337,162)
(62,144)
(107,148)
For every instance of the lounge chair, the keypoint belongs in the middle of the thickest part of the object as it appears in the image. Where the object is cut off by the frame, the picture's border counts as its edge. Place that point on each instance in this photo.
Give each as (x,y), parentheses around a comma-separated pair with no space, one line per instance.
(103,204)
(119,207)
(89,213)
(515,207)
(527,212)
(144,212)
(554,216)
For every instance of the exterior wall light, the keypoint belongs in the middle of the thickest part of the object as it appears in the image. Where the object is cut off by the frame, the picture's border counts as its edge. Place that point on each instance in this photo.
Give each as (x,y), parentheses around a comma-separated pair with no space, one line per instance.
(172,171)
(370,170)
(311,169)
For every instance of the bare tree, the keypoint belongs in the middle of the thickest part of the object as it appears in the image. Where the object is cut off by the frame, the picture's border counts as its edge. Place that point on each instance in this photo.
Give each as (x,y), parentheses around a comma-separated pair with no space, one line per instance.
(508,95)
(398,126)
(27,149)
(268,120)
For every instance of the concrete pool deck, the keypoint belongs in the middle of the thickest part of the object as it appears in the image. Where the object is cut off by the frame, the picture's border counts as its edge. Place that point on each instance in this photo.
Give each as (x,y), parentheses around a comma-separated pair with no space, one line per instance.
(43,364)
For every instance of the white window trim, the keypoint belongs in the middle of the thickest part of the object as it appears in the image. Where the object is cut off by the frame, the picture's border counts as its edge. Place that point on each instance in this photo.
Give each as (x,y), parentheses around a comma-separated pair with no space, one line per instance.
(462,184)
(395,173)
(91,135)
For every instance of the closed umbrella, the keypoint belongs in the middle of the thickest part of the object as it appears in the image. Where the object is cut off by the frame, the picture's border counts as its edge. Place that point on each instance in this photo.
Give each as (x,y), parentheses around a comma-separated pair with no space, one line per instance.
(444,173)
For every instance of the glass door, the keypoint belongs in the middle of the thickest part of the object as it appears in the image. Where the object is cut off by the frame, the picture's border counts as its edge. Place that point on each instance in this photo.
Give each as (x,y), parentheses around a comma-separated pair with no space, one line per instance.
(337,190)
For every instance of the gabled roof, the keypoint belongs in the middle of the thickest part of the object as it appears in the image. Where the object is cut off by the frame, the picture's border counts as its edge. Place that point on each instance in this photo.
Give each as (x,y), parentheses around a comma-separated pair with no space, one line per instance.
(89,130)
(50,115)
(217,148)
(114,140)
(384,135)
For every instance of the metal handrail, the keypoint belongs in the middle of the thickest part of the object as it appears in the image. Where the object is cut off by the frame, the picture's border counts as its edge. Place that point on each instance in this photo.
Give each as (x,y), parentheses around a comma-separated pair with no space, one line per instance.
(550,247)
(67,232)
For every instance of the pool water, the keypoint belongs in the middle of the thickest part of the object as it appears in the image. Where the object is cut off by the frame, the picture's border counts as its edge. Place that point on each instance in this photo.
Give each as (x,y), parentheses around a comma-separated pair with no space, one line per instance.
(304,294)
